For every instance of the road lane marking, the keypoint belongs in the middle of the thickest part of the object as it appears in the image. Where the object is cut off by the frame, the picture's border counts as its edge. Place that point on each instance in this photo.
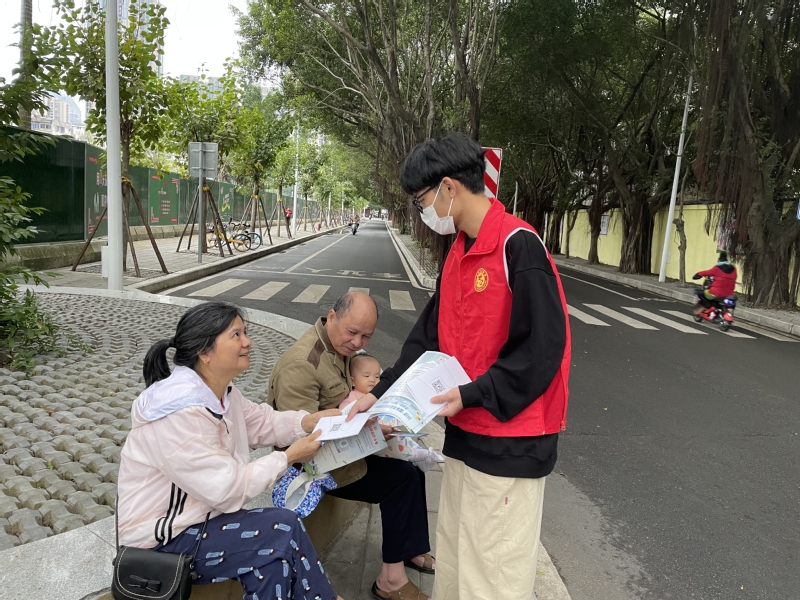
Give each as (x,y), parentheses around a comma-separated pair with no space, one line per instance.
(598,286)
(766,332)
(219,288)
(312,294)
(305,260)
(663,320)
(401,300)
(620,317)
(265,292)
(585,317)
(688,317)
(358,289)
(304,275)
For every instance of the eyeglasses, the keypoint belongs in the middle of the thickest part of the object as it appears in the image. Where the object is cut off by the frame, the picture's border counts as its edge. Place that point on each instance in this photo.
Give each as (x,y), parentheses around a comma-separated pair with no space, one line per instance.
(416,200)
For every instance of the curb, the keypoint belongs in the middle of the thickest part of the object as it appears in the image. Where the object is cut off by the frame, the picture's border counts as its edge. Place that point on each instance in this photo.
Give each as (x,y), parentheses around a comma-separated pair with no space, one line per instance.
(743,314)
(424,280)
(204,270)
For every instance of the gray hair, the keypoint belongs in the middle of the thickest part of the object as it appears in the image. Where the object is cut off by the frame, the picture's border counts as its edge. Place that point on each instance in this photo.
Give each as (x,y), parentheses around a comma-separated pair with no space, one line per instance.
(345,302)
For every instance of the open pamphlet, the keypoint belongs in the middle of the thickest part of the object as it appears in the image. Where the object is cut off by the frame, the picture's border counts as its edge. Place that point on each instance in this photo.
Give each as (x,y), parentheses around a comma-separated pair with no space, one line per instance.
(408,401)
(339,452)
(409,398)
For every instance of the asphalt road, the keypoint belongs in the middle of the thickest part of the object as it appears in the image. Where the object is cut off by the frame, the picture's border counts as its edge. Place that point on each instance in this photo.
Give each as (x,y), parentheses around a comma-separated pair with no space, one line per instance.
(679,473)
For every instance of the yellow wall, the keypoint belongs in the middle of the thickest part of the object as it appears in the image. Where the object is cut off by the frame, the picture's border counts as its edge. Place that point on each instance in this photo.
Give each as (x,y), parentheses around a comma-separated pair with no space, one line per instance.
(609,247)
(701,247)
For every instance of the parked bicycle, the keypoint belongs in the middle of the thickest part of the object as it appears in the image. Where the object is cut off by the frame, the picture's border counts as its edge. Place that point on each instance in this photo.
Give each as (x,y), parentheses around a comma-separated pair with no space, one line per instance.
(243,229)
(239,241)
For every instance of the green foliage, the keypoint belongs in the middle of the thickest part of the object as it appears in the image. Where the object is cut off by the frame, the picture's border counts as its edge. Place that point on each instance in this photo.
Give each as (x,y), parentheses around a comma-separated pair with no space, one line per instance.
(264,134)
(79,38)
(25,329)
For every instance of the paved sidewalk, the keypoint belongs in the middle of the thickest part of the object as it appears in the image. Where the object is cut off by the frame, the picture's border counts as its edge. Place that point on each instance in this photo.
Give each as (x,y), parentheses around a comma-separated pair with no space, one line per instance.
(784,321)
(182,266)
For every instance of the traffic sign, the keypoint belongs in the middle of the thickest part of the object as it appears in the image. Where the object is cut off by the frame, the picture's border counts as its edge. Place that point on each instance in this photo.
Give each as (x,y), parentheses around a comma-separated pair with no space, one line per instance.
(491,178)
(205,154)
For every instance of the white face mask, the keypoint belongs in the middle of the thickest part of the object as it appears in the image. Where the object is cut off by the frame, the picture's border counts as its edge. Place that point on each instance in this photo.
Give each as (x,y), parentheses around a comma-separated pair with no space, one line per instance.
(441,225)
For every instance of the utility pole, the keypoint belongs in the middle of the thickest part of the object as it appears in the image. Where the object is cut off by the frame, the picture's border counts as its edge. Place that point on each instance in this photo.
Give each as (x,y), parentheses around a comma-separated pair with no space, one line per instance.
(296,176)
(113,160)
(662,273)
(516,189)
(26,21)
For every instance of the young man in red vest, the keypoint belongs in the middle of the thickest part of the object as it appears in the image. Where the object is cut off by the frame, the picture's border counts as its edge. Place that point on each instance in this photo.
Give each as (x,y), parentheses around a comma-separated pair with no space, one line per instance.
(499,308)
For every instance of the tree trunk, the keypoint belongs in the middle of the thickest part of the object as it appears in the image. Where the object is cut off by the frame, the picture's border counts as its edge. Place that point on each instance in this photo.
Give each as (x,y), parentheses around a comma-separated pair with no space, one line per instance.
(595,221)
(572,218)
(26,21)
(553,232)
(636,236)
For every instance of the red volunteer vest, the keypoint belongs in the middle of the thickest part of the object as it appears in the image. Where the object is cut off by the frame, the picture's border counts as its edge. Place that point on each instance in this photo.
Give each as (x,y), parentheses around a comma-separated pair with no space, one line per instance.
(474,320)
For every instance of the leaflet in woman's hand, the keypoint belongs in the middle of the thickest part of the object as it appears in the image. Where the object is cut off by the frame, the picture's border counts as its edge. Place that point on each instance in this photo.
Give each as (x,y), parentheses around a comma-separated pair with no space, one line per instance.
(336,428)
(409,398)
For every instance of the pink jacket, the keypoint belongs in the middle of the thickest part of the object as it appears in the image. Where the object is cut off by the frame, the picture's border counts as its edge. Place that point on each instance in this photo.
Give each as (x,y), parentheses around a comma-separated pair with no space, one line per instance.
(181,461)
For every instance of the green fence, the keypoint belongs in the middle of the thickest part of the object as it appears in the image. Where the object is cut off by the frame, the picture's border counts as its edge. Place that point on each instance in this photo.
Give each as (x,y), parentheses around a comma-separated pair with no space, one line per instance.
(55,180)
(69,180)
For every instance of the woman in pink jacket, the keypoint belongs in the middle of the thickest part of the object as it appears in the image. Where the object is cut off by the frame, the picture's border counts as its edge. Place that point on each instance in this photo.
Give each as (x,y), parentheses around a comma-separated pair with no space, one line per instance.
(188,456)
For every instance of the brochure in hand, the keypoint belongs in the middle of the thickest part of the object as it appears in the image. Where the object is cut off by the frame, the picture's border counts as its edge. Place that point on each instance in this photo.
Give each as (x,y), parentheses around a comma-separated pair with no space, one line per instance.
(339,452)
(409,399)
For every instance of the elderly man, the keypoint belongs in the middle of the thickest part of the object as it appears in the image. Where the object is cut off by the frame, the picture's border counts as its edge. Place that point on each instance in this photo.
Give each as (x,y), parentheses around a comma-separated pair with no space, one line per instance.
(313,375)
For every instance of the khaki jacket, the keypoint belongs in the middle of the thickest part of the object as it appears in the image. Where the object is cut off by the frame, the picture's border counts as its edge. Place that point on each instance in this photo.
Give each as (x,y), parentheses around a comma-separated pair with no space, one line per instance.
(311,376)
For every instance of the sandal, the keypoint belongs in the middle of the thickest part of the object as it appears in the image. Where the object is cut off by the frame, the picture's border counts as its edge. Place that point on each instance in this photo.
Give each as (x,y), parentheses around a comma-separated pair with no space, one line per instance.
(427,565)
(408,592)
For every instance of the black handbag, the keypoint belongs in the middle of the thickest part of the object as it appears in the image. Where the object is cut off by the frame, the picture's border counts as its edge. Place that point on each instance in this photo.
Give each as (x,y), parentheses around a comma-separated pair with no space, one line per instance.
(141,574)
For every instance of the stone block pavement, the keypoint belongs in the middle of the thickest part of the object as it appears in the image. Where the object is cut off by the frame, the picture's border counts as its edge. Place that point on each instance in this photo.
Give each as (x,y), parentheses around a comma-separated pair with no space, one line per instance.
(62,429)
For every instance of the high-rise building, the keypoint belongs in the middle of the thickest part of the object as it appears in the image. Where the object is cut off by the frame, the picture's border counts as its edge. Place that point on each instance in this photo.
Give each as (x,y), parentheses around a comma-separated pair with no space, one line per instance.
(60,117)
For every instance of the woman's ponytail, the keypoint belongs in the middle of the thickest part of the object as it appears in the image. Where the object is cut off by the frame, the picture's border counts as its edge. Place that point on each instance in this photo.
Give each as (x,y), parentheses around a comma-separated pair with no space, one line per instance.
(155,367)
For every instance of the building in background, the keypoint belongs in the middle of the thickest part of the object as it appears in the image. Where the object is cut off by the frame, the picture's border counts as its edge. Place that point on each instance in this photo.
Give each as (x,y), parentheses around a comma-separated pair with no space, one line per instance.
(213,85)
(60,117)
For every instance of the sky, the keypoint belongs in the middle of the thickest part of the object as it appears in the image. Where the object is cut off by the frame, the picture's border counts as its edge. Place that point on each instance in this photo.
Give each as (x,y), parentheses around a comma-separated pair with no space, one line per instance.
(201,34)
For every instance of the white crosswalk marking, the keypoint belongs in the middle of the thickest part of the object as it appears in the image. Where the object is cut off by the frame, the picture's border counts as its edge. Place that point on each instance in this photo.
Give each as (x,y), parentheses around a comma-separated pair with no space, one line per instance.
(265,292)
(766,332)
(312,294)
(401,300)
(359,289)
(688,317)
(585,317)
(219,288)
(620,317)
(642,312)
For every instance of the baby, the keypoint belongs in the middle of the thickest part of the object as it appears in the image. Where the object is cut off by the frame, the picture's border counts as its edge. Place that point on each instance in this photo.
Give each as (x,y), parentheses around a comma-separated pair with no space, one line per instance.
(365,371)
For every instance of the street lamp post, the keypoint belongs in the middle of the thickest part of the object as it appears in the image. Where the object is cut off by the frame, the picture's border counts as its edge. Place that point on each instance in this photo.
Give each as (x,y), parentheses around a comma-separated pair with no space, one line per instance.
(662,273)
(296,176)
(113,161)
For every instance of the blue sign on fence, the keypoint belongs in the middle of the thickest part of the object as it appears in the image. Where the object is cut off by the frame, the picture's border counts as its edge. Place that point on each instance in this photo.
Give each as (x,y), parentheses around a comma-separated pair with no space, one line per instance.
(798,210)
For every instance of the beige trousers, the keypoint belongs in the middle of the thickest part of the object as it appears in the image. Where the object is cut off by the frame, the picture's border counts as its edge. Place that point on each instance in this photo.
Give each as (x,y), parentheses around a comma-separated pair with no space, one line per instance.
(487,537)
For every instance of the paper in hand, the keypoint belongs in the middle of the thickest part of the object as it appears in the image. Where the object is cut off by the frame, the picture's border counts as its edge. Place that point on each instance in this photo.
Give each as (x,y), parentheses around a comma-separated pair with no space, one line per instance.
(336,428)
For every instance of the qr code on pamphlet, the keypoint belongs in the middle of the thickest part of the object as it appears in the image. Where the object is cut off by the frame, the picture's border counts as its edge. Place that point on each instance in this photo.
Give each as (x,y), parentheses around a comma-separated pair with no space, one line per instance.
(438,386)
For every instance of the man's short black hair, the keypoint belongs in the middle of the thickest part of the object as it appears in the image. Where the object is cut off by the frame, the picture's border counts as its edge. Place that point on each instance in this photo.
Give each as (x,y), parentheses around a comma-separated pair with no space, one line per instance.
(723,256)
(455,155)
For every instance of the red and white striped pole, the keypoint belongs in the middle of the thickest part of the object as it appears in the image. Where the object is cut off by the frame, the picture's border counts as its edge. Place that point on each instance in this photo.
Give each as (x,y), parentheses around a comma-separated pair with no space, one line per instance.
(491,178)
